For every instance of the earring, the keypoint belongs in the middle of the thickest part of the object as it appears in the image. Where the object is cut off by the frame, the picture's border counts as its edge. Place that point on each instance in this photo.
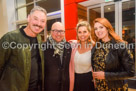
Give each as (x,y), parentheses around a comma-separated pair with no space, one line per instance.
(89,40)
(78,40)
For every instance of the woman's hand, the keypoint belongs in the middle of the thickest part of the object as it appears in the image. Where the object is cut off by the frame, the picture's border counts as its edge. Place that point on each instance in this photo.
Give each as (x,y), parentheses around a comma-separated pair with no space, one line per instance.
(99,75)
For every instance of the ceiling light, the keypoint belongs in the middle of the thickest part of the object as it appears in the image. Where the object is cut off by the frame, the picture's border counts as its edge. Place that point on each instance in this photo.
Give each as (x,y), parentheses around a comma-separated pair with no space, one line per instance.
(109,8)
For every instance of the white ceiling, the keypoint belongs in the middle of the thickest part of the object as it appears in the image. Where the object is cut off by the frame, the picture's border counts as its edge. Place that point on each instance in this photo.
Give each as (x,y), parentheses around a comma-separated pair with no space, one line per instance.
(91,2)
(127,5)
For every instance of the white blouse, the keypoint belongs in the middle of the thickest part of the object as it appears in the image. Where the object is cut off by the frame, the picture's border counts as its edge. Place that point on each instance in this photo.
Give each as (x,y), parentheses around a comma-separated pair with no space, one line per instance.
(82,62)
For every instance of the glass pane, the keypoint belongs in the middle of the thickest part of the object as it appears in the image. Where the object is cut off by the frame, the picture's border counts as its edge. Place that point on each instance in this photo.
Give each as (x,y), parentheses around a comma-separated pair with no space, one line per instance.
(23,12)
(128,21)
(93,14)
(109,13)
(50,22)
(22,2)
(50,5)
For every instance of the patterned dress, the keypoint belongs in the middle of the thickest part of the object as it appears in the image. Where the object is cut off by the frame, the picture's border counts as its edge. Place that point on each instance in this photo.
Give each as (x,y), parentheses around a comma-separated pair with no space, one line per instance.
(99,65)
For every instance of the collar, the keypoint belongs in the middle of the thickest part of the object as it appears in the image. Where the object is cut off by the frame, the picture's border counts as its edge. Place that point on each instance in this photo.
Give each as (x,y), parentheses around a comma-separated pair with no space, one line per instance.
(23,32)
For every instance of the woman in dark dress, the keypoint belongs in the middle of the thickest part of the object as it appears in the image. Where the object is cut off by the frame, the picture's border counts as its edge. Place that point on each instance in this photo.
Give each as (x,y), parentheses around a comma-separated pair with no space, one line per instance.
(112,61)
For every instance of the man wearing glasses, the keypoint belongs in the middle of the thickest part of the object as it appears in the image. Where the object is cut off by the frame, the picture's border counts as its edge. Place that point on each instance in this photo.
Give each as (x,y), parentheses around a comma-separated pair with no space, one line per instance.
(57,57)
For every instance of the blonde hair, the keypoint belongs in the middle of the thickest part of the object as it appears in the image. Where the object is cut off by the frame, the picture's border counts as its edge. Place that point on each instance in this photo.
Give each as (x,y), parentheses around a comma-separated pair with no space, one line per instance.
(83,23)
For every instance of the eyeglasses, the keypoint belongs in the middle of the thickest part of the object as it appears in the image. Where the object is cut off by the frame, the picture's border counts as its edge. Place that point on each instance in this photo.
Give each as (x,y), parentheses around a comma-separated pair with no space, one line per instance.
(58,31)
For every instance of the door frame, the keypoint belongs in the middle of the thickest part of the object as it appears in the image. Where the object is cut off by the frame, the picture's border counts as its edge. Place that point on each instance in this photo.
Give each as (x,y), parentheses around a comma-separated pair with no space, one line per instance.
(118,13)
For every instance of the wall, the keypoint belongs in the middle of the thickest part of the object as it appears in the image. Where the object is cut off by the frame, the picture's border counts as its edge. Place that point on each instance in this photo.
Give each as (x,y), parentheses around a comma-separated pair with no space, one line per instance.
(71,17)
(11,15)
(7,16)
(82,12)
(3,18)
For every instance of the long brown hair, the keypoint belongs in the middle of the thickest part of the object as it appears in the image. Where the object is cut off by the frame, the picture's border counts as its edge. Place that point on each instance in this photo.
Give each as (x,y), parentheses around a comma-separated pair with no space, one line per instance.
(109,27)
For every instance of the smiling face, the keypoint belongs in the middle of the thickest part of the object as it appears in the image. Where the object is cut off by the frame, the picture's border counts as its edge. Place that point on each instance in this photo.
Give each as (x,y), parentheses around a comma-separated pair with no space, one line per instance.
(36,22)
(83,34)
(58,32)
(101,31)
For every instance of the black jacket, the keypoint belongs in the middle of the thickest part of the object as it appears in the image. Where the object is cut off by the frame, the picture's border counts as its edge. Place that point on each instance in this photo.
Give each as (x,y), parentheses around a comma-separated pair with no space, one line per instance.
(57,74)
(119,65)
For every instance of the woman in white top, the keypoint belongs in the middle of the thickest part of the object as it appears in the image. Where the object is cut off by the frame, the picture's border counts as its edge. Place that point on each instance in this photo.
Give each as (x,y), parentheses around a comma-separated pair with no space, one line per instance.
(80,63)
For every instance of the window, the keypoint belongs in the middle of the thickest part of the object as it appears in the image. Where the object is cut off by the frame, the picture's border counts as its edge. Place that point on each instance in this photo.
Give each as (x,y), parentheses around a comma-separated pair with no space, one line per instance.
(50,5)
(53,8)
